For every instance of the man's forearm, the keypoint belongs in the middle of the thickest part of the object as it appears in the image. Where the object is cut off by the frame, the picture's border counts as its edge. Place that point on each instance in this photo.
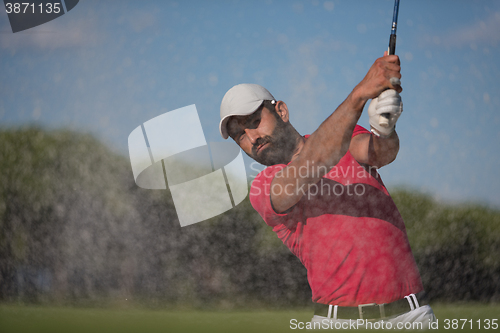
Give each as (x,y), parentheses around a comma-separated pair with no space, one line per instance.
(321,152)
(330,142)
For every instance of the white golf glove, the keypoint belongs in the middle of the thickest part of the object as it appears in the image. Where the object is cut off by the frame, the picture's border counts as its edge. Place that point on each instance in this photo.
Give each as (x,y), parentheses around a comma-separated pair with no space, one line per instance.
(388,103)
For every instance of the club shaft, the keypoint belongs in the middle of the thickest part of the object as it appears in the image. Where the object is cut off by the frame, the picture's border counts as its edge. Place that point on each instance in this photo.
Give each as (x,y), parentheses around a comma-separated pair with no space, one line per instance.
(384,117)
(392,39)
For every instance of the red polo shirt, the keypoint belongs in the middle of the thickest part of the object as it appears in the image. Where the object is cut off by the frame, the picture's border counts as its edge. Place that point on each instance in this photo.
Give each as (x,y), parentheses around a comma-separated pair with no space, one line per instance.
(347,232)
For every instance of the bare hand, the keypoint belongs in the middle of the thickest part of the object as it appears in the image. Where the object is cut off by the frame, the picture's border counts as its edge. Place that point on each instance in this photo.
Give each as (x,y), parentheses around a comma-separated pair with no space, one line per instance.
(379,77)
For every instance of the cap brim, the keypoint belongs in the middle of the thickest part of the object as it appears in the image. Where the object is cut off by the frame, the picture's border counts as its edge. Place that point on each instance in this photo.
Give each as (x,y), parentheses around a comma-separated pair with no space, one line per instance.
(225,119)
(222,126)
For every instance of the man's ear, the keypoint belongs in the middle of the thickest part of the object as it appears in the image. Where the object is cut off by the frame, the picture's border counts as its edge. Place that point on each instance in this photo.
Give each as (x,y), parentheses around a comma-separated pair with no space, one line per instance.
(282,110)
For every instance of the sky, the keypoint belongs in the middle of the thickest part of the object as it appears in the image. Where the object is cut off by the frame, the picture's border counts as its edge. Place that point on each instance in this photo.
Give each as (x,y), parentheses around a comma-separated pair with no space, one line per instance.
(107,66)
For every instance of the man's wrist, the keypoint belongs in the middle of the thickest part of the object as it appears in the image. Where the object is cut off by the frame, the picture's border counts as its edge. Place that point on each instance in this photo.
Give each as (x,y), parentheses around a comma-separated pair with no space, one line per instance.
(357,101)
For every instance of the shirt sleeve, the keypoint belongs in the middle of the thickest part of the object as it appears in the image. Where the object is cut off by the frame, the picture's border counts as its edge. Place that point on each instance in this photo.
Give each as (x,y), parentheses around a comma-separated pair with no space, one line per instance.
(260,195)
(359,130)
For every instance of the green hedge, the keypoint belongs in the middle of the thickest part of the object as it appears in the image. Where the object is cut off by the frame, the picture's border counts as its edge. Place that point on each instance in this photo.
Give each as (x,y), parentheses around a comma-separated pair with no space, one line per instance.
(457,247)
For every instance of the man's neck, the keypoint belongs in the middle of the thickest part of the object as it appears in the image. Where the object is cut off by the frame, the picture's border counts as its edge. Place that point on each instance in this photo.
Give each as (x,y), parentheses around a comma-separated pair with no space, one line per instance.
(299,144)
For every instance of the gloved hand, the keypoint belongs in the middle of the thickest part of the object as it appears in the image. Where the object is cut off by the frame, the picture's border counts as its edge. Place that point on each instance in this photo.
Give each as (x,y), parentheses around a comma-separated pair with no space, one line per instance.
(388,103)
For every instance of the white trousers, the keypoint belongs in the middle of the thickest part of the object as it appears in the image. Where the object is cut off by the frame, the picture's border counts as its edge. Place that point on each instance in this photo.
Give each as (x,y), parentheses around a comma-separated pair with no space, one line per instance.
(419,318)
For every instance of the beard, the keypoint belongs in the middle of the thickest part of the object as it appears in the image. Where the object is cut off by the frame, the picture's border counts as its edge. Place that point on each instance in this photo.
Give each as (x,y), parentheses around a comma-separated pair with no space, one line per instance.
(280,146)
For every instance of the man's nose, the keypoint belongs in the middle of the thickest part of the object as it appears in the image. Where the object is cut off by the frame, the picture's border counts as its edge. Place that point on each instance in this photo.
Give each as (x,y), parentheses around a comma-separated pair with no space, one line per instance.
(252,135)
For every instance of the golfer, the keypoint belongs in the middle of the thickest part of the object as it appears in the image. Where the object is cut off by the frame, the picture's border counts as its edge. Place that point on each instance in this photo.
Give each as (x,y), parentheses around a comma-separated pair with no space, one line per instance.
(323,197)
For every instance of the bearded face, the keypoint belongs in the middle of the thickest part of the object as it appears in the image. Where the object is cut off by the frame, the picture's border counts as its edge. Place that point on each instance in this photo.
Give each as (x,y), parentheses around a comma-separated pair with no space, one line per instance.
(276,148)
(264,136)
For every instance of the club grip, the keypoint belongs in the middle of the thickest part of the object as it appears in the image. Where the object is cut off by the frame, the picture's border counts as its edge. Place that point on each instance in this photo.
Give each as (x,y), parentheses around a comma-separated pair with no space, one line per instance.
(392,44)
(384,117)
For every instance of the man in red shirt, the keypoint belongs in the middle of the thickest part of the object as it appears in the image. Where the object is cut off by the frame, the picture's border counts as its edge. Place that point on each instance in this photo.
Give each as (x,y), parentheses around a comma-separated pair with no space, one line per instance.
(323,197)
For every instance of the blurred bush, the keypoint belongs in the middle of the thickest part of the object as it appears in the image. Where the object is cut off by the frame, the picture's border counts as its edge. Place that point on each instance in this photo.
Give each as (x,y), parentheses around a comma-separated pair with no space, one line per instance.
(75,229)
(457,247)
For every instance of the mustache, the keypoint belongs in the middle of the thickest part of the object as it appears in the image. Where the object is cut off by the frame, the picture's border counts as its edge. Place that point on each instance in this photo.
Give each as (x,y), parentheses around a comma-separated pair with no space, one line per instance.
(259,142)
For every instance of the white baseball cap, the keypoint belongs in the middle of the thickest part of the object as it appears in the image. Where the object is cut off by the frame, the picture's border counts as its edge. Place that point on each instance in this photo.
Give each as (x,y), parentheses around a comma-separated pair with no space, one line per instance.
(241,100)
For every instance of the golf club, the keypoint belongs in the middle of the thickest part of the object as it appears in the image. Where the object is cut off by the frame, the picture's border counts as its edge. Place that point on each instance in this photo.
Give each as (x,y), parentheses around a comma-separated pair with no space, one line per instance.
(384,117)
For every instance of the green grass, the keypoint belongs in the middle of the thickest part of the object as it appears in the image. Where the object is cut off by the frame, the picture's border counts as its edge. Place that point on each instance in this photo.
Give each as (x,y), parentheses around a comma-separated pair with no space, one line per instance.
(27,319)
